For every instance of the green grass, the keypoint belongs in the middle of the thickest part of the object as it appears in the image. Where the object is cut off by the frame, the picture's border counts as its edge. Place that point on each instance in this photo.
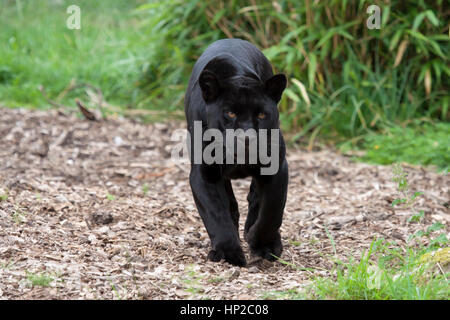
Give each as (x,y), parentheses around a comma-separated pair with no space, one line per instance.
(145,189)
(39,280)
(216,279)
(19,215)
(427,144)
(384,272)
(38,49)
(115,291)
(387,270)
(4,196)
(192,282)
(342,83)
(110,197)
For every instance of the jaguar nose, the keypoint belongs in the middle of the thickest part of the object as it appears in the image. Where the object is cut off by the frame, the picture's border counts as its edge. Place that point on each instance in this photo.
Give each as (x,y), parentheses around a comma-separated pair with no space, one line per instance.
(246,125)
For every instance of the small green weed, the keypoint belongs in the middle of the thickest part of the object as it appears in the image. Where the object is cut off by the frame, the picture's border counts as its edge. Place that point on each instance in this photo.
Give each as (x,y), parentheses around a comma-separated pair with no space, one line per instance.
(7,265)
(110,197)
(19,215)
(216,280)
(295,242)
(4,195)
(145,189)
(116,292)
(408,200)
(192,281)
(39,280)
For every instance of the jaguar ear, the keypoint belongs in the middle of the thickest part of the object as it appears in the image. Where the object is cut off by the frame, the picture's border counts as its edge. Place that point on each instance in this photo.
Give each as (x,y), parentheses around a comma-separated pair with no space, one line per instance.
(275,86)
(209,85)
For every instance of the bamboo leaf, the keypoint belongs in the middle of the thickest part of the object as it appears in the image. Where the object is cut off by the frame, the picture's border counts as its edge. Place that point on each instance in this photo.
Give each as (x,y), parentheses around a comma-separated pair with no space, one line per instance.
(418,20)
(218,16)
(303,91)
(395,39)
(432,17)
(291,95)
(385,15)
(312,67)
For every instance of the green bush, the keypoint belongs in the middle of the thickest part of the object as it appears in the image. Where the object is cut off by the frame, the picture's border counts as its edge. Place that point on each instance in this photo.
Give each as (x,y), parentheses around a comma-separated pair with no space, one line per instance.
(346,80)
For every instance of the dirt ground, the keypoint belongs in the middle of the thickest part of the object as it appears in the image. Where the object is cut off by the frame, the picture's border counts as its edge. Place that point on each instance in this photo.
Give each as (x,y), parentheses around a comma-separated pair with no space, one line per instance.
(100,208)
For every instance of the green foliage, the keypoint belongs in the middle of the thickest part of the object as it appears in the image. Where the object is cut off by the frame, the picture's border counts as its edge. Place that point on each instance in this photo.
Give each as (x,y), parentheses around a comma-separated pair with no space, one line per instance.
(4,195)
(110,197)
(384,272)
(38,49)
(408,201)
(192,282)
(346,80)
(425,143)
(145,189)
(416,217)
(18,215)
(41,280)
(434,242)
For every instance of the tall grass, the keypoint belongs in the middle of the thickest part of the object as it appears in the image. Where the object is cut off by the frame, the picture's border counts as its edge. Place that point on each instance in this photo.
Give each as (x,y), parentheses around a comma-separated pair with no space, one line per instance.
(37,48)
(345,79)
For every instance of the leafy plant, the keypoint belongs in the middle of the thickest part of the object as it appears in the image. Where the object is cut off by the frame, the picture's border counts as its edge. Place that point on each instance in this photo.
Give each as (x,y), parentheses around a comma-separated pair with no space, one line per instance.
(41,280)
(434,243)
(18,215)
(408,201)
(192,282)
(4,195)
(345,80)
(114,289)
(400,177)
(110,197)
(385,270)
(145,189)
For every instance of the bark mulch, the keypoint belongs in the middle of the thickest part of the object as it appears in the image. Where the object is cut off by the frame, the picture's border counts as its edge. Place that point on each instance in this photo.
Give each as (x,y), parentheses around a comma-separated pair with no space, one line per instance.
(99,210)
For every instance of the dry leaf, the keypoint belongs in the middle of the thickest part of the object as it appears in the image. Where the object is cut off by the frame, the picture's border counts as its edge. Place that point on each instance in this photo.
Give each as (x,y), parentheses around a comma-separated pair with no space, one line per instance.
(401,50)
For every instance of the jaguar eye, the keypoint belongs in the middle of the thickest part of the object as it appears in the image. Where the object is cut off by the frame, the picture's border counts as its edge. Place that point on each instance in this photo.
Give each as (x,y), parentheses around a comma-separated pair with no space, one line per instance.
(261,115)
(231,114)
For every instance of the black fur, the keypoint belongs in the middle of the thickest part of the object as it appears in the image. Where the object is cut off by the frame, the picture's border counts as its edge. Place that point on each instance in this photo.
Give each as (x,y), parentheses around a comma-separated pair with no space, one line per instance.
(233,75)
